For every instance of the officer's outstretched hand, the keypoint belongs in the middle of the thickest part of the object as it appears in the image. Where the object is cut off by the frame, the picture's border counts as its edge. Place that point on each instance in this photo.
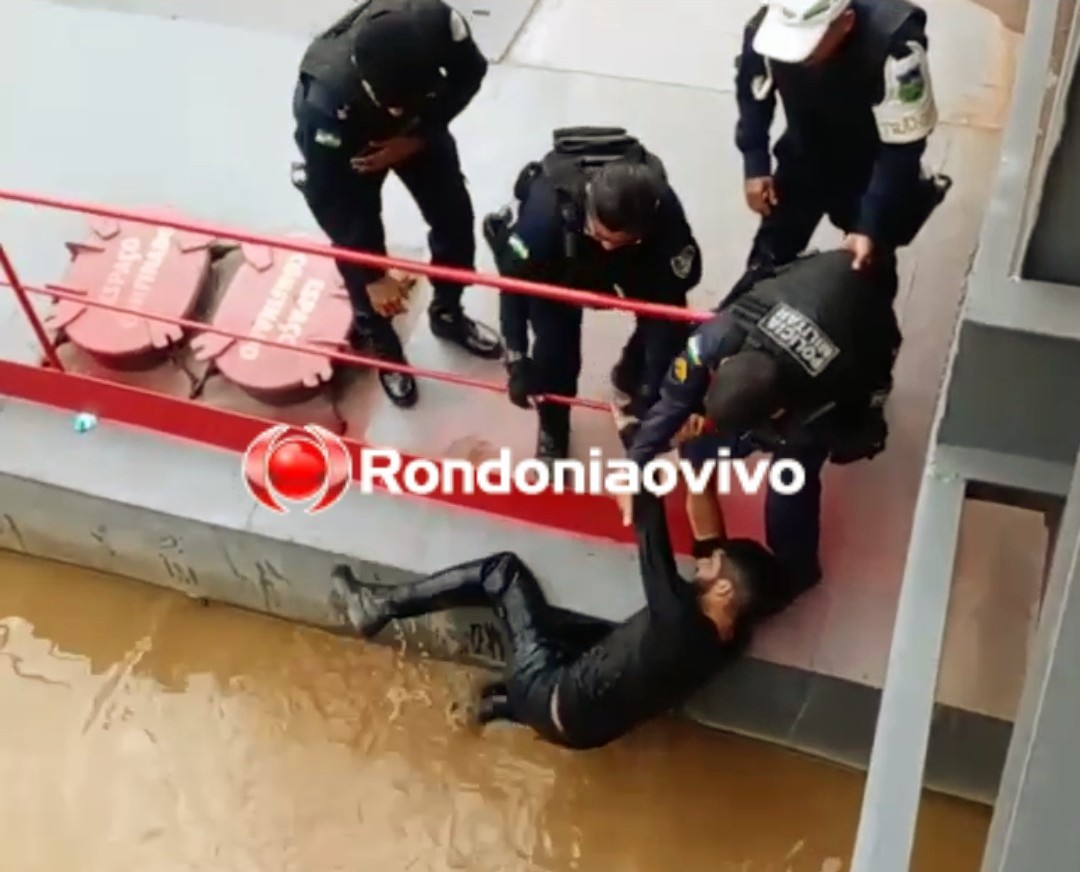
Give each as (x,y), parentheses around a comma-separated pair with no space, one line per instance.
(388,296)
(862,247)
(761,194)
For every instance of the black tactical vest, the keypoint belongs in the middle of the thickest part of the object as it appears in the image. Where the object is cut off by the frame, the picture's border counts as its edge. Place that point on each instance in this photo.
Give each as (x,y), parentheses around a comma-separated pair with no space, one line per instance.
(328,61)
(829,110)
(830,327)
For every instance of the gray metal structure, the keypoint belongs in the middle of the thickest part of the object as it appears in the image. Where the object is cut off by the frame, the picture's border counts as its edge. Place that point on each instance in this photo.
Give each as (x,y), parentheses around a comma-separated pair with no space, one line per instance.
(1007,429)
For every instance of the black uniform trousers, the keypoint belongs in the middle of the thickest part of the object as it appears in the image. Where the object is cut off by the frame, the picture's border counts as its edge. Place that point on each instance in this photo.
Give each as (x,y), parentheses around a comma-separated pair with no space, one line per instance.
(809,188)
(348,207)
(542,640)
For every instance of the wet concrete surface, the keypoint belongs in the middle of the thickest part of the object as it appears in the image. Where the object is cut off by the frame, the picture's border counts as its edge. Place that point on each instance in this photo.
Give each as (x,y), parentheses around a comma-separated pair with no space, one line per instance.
(143,730)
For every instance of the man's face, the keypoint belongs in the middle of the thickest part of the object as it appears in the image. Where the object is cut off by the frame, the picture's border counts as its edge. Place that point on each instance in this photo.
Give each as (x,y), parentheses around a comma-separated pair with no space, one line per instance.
(609,240)
(834,37)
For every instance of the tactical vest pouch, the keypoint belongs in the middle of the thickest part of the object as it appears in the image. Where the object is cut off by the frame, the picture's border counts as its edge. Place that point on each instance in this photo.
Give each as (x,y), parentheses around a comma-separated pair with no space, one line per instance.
(913,215)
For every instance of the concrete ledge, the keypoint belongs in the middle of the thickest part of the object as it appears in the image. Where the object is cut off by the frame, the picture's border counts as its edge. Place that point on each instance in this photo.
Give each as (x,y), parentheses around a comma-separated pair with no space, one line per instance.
(177,516)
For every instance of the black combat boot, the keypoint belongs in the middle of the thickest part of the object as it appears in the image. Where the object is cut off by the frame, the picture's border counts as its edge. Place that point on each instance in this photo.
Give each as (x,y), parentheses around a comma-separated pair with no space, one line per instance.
(379,339)
(553,438)
(452,324)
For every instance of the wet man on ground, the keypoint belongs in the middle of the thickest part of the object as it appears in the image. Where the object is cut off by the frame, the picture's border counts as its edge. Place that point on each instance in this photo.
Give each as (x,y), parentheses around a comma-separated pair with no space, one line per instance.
(595,214)
(376,94)
(585,694)
(854,80)
(800,366)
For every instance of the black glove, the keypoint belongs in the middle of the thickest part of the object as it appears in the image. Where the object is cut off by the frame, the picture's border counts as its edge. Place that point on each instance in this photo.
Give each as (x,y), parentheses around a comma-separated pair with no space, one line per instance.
(520,383)
(861,438)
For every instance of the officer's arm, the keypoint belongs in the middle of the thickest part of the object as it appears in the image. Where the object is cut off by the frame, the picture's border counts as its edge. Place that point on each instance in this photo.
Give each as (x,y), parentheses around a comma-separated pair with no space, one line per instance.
(323,142)
(529,251)
(756,99)
(684,388)
(465,67)
(906,116)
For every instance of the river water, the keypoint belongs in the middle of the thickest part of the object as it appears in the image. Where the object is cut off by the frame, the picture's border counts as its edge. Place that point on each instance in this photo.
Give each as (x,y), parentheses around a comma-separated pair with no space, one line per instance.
(144,731)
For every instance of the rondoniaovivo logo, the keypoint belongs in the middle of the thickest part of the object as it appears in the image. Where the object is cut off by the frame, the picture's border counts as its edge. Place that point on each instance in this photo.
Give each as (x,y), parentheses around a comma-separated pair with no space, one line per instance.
(297,465)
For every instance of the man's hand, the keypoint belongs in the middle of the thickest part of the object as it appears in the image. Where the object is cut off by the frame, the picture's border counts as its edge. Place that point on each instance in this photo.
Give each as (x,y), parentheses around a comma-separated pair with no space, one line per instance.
(761,195)
(625,502)
(695,425)
(387,154)
(388,296)
(862,247)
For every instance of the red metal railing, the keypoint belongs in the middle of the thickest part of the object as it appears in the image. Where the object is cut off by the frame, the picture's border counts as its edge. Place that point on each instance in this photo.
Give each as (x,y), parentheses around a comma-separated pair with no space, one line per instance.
(238,429)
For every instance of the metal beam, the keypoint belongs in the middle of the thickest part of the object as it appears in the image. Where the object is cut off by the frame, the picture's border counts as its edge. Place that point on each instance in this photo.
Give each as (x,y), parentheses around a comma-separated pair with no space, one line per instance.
(894,782)
(1034,826)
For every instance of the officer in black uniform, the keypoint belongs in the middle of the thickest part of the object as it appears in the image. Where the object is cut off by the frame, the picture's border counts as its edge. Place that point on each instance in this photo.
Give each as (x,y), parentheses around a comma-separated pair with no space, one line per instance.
(855,85)
(587,686)
(799,366)
(595,214)
(377,92)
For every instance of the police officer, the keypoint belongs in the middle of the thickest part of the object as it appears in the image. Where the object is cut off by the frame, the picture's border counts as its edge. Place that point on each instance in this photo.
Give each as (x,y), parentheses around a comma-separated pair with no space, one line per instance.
(855,84)
(799,366)
(584,687)
(596,214)
(376,94)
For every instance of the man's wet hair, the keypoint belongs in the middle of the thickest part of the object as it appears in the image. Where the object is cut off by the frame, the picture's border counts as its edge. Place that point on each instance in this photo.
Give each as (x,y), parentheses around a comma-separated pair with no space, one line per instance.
(744,393)
(761,586)
(625,195)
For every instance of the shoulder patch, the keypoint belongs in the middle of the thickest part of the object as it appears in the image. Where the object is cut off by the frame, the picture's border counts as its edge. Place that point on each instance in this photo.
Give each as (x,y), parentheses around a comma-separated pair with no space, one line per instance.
(325,137)
(679,369)
(907,113)
(459,28)
(682,264)
(805,342)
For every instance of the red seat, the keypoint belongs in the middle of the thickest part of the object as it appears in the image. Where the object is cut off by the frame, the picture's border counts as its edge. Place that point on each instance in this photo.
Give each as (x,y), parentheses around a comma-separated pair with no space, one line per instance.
(143,267)
(285,297)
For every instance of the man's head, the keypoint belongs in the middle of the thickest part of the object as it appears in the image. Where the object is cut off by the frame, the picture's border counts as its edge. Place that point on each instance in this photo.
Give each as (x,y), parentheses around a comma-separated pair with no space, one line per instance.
(733,585)
(394,60)
(746,391)
(621,203)
(804,31)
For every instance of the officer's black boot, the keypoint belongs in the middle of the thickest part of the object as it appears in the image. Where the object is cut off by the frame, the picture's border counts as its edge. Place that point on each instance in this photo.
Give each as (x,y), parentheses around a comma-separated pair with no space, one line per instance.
(553,438)
(378,338)
(449,322)
(371,606)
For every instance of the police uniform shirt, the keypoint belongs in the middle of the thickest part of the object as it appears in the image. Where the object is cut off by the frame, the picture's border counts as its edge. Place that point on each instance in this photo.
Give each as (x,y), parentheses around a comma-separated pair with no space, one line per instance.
(663,267)
(901,115)
(337,119)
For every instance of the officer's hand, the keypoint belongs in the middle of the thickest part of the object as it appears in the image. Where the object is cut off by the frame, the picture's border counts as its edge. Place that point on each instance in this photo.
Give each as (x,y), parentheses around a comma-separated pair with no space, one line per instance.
(862,247)
(761,195)
(691,429)
(519,383)
(388,296)
(386,154)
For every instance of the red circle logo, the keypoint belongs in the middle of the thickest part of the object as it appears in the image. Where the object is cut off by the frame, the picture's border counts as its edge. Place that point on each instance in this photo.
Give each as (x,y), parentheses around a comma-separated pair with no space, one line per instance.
(293,464)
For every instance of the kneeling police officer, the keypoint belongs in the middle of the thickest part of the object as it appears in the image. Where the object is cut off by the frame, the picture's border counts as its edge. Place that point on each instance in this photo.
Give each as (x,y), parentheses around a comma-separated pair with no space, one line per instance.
(799,366)
(377,92)
(854,81)
(585,686)
(595,214)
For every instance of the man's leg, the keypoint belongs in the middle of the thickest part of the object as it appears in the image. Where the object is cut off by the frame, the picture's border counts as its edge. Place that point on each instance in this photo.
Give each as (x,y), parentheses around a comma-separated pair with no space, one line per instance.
(793,521)
(556,361)
(786,231)
(435,180)
(348,208)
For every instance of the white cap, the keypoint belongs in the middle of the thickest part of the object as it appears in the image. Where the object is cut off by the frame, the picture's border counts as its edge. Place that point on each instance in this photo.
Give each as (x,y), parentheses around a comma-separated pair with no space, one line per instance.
(792,29)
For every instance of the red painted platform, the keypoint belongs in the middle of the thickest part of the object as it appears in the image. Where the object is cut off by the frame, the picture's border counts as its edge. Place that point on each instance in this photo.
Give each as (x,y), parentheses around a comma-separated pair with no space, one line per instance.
(141,267)
(285,297)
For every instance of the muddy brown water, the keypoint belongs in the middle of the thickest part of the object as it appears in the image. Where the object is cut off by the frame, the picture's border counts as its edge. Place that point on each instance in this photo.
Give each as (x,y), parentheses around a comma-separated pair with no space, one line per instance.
(143,731)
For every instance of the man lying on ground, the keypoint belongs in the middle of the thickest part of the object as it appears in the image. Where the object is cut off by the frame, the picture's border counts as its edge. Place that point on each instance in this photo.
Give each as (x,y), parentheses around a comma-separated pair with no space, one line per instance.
(580,695)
